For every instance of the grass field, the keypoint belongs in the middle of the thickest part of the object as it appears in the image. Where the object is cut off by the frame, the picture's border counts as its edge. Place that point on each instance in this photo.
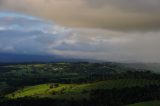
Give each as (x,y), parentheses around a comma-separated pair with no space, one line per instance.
(77,90)
(151,103)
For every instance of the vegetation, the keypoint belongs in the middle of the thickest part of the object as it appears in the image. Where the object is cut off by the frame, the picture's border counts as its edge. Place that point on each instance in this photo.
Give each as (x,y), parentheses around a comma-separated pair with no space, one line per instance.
(80,84)
(77,89)
(150,103)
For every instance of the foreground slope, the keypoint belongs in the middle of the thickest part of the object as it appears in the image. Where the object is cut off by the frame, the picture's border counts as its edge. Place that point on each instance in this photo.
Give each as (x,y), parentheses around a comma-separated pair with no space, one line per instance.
(150,103)
(78,90)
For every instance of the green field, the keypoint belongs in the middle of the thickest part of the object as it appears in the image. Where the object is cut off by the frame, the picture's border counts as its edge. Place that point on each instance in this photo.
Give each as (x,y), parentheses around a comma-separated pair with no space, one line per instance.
(76,90)
(151,103)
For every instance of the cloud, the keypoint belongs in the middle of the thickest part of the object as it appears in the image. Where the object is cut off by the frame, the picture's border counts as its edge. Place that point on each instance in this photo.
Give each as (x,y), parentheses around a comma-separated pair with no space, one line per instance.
(23,34)
(113,46)
(109,30)
(127,5)
(106,14)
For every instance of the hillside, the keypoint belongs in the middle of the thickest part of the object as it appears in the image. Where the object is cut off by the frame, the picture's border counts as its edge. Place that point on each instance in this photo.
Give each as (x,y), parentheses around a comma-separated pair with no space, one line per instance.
(150,103)
(70,90)
(70,84)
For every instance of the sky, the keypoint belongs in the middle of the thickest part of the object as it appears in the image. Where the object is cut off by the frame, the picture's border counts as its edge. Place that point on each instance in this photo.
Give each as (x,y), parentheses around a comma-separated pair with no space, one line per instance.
(108,30)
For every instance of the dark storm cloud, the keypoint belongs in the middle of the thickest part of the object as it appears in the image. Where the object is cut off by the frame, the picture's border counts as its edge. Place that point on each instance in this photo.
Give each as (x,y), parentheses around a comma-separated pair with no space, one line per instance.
(128,5)
(106,14)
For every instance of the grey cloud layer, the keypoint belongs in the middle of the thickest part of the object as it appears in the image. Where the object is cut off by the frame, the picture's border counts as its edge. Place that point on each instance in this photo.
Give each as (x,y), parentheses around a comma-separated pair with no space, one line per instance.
(46,38)
(110,14)
(114,46)
(128,5)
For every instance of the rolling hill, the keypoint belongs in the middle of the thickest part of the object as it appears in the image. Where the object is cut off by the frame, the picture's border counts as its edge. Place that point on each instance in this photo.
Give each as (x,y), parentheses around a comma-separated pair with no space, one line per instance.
(150,103)
(76,90)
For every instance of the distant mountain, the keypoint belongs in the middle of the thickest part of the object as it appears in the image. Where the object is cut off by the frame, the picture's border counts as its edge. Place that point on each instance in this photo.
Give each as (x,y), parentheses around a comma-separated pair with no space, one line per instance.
(16,58)
(23,58)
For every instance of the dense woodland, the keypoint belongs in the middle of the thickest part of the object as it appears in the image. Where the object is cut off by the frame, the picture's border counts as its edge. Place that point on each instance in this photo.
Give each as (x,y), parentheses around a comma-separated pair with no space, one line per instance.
(18,76)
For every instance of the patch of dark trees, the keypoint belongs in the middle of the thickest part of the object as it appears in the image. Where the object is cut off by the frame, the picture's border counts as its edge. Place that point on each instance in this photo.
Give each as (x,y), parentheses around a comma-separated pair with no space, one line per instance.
(121,97)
